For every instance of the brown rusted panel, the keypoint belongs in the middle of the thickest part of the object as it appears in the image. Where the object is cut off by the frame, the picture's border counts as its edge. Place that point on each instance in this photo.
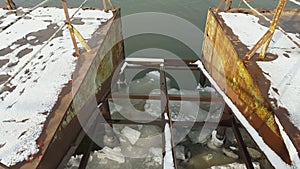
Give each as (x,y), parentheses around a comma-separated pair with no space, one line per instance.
(225,66)
(62,129)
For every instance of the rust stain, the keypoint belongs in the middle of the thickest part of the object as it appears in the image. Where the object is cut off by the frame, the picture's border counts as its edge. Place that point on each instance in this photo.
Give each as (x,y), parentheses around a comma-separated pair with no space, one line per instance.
(225,65)
(4,78)
(3,61)
(24,52)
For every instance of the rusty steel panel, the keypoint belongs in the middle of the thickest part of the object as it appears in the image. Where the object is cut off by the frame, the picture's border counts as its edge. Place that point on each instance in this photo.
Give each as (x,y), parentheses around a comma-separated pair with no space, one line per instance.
(224,64)
(62,131)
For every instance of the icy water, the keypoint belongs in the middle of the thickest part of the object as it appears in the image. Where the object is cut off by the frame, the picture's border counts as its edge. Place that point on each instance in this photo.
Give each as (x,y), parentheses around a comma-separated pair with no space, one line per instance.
(143,147)
(193,11)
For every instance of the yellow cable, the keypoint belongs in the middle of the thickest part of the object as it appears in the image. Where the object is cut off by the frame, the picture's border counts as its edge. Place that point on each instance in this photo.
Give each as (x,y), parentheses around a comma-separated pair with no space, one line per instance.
(79,37)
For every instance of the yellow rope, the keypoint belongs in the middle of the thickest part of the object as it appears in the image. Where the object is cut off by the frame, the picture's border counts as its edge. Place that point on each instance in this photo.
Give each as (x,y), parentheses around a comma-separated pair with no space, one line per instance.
(269,20)
(79,37)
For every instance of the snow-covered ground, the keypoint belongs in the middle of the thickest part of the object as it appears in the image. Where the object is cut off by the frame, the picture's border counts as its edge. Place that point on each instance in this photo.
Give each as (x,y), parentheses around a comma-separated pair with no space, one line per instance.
(37,66)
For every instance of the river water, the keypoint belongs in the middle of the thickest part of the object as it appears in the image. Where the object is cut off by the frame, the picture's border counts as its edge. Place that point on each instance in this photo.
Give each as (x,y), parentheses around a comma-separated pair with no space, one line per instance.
(193,11)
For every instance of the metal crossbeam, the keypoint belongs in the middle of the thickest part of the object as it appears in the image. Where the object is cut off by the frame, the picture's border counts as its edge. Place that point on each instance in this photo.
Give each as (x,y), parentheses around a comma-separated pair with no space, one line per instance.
(165,115)
(165,109)
(242,147)
(173,97)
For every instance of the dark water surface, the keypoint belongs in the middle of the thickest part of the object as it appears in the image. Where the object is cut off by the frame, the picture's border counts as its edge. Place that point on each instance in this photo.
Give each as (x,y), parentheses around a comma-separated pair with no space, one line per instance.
(193,11)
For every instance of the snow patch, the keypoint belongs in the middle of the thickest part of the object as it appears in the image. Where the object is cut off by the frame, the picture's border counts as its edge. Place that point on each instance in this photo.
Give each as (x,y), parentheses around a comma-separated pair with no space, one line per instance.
(168,158)
(38,77)
(283,72)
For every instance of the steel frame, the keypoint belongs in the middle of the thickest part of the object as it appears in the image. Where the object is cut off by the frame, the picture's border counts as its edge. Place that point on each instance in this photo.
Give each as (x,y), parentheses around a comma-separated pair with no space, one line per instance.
(168,64)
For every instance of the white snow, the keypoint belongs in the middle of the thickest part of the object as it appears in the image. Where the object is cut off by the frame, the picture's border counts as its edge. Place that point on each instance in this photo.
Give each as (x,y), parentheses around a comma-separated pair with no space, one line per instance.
(145,60)
(290,146)
(38,76)
(168,158)
(112,154)
(131,134)
(295,2)
(276,161)
(282,72)
(236,165)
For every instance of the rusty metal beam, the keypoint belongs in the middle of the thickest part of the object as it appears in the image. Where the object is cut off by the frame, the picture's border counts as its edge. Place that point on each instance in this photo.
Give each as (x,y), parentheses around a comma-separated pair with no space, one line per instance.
(242,147)
(110,4)
(168,64)
(227,5)
(273,26)
(3,166)
(165,109)
(224,64)
(267,37)
(64,4)
(10,4)
(166,67)
(224,123)
(173,97)
(86,155)
(106,113)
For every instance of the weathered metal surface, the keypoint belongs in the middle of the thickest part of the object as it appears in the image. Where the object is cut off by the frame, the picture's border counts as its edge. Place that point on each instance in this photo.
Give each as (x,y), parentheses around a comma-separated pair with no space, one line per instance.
(63,131)
(64,4)
(222,59)
(165,109)
(10,4)
(244,153)
(266,39)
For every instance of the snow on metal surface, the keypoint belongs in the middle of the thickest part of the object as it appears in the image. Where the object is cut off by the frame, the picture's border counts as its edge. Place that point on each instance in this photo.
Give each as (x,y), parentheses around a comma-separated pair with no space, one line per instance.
(33,72)
(6,18)
(295,2)
(168,158)
(283,72)
(272,156)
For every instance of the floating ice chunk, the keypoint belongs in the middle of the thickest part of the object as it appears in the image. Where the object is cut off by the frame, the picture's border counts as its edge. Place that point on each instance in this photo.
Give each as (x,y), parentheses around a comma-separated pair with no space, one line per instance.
(153,107)
(157,151)
(230,153)
(209,89)
(155,76)
(112,154)
(182,153)
(236,166)
(74,162)
(156,154)
(131,134)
